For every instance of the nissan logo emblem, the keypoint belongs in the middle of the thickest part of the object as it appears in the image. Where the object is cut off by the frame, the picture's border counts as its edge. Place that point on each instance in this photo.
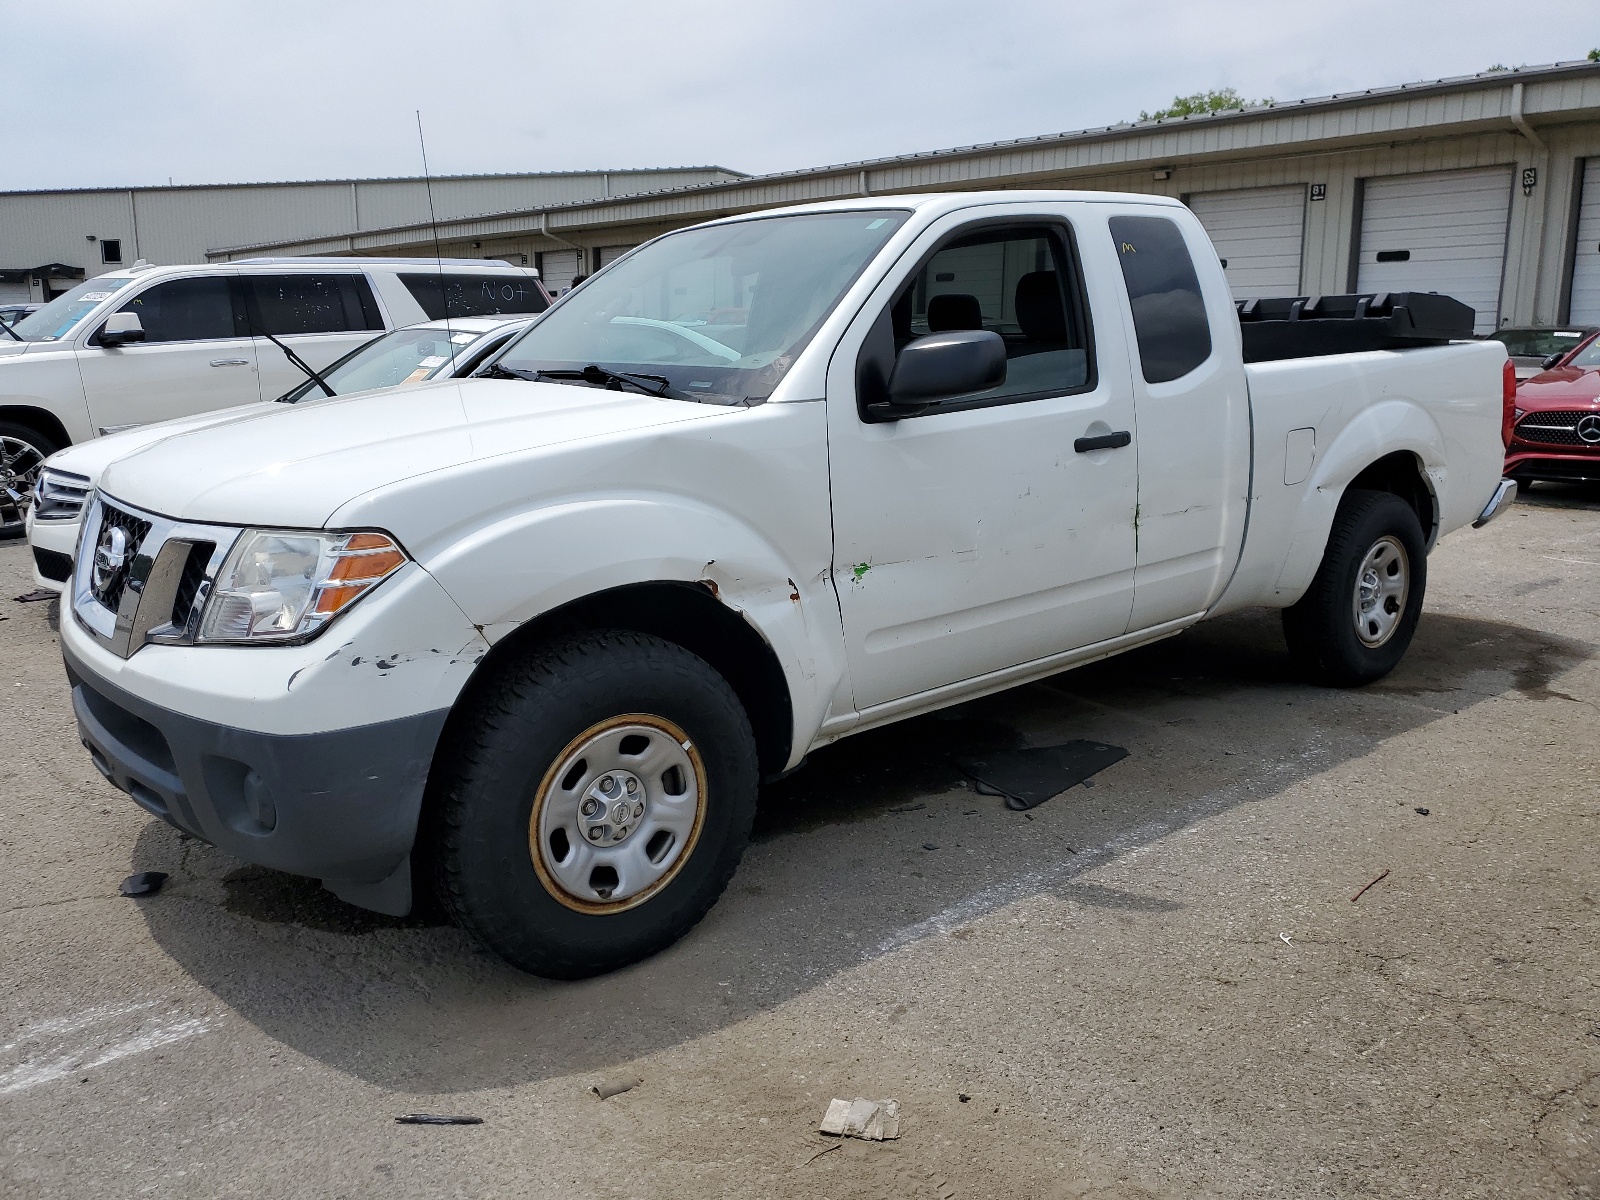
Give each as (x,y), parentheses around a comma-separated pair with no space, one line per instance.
(1589,428)
(110,556)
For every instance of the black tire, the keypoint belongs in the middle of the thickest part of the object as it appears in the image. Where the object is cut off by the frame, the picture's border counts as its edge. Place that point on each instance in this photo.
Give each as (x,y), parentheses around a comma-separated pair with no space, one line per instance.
(22,449)
(1324,635)
(504,753)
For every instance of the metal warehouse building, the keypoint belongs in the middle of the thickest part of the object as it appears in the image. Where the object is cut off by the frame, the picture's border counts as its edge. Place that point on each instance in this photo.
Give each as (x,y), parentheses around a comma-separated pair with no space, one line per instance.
(50,240)
(1486,187)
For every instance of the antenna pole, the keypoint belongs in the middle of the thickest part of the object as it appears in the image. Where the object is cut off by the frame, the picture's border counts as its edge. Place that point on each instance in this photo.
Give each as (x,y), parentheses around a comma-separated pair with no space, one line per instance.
(438,258)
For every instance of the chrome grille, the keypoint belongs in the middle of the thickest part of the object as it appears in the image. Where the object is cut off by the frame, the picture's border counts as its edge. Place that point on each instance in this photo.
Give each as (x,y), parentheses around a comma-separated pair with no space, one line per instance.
(59,496)
(108,585)
(1558,428)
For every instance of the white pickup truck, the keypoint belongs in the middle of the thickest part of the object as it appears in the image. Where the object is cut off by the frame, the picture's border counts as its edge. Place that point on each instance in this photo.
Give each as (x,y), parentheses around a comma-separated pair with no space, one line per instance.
(533,638)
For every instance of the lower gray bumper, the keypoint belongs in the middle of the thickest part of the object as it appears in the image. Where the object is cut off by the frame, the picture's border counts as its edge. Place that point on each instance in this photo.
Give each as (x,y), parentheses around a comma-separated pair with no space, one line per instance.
(340,806)
(1498,503)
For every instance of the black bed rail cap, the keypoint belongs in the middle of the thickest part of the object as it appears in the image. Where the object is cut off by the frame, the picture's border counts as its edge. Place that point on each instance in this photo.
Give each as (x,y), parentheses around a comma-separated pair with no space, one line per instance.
(1303,326)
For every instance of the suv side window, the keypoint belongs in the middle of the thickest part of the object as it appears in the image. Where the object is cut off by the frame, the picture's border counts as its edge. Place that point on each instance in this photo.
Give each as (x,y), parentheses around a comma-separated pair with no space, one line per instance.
(1169,313)
(1018,281)
(474,295)
(185,310)
(289,304)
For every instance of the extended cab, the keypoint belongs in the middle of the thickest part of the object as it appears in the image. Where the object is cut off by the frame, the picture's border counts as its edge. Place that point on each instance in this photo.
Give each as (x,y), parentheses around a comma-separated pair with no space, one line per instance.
(531,639)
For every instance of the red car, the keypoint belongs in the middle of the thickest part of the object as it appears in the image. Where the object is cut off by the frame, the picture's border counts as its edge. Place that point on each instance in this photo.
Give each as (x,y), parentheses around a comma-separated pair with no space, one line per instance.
(1556,434)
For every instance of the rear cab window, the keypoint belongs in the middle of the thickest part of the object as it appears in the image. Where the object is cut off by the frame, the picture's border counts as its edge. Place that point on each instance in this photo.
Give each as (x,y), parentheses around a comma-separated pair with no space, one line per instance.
(1019,281)
(456,294)
(1169,310)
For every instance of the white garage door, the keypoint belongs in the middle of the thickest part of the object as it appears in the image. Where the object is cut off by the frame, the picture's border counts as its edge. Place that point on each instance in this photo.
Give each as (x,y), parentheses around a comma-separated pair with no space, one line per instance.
(14,293)
(556,268)
(610,254)
(1441,232)
(1586,258)
(1258,234)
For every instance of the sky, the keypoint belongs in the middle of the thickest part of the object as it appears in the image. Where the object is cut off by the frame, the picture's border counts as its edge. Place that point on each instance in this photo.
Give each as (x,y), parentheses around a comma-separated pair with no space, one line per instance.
(103,94)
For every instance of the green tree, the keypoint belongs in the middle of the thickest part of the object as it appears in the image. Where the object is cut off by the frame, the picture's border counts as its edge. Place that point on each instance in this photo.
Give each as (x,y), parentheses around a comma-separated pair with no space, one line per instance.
(1594,55)
(1219,100)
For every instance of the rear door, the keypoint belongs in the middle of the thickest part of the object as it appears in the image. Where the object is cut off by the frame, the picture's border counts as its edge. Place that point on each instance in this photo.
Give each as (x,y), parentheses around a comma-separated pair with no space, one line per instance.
(1193,434)
(195,356)
(321,316)
(972,537)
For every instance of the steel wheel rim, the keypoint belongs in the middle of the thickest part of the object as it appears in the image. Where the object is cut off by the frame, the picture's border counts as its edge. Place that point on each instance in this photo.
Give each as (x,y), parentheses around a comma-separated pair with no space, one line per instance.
(577,831)
(19,475)
(1383,585)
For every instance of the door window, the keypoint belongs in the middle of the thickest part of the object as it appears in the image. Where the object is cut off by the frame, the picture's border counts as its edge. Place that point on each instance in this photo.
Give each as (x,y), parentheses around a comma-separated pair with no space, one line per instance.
(474,295)
(185,310)
(1020,283)
(1169,313)
(289,304)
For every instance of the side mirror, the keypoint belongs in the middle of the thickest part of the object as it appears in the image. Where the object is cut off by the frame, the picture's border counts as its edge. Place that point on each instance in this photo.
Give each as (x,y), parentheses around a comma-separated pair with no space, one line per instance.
(121,328)
(942,366)
(1553,359)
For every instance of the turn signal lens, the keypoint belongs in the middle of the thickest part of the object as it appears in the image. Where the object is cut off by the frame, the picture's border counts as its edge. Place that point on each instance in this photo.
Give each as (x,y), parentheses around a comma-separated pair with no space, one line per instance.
(285,585)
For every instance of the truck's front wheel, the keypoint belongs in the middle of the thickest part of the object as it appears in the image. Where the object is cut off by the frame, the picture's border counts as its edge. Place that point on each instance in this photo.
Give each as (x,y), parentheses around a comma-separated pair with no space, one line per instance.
(1355,621)
(596,803)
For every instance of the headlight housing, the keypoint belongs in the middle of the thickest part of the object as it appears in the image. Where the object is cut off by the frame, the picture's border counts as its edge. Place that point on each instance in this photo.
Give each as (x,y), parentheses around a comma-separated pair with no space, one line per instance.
(282,585)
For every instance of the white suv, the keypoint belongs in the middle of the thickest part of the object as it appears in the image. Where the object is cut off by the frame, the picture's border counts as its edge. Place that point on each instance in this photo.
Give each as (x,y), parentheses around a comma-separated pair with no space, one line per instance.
(145,344)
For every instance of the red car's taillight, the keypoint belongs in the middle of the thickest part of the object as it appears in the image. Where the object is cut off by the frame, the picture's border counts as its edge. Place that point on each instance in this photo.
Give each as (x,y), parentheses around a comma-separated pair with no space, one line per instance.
(1508,401)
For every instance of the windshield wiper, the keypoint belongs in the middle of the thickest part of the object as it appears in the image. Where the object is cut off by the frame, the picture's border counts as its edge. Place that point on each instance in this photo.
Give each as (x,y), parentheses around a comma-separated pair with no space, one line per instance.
(651,385)
(496,371)
(294,358)
(12,332)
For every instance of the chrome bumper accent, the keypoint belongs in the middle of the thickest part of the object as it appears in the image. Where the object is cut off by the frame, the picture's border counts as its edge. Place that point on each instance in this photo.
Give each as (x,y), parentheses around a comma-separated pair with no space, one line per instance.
(1498,503)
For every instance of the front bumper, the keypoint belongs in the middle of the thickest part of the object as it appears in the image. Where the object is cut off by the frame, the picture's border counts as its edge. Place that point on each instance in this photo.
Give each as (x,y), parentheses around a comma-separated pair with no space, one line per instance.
(52,544)
(1526,463)
(340,806)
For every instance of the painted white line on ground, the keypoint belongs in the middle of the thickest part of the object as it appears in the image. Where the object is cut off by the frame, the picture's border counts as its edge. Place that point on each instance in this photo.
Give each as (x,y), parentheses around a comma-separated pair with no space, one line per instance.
(109,1036)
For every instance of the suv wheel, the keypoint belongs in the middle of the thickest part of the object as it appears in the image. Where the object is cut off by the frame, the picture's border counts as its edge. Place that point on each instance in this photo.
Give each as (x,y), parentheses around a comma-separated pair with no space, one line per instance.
(1355,621)
(22,452)
(595,804)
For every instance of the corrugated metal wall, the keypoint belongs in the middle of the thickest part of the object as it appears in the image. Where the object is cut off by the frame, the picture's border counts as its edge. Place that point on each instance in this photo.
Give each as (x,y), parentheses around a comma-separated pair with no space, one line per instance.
(177,225)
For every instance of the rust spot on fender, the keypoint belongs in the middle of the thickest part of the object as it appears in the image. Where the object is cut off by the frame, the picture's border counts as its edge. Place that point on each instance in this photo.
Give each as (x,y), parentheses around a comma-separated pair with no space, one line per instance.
(794,591)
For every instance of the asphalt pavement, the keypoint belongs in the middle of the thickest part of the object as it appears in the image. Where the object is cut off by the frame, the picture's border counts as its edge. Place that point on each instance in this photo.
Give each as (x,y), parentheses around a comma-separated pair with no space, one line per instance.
(1163,985)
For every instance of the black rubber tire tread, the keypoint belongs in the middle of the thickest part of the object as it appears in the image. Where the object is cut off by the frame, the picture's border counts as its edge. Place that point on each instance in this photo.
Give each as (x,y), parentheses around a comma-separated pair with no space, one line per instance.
(46,447)
(478,822)
(1321,635)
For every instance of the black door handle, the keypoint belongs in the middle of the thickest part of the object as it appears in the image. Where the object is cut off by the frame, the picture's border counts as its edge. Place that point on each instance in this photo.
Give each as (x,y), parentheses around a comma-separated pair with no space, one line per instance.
(1105,441)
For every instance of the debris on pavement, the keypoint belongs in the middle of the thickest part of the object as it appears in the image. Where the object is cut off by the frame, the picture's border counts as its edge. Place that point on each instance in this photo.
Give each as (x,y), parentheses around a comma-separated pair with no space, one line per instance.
(1421,812)
(615,1086)
(143,883)
(930,845)
(908,807)
(811,1158)
(34,597)
(435,1119)
(873,1120)
(1363,891)
(1027,778)
(963,1097)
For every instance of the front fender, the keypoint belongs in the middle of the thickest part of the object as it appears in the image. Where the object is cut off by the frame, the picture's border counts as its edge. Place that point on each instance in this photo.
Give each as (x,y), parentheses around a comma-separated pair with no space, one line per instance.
(526,564)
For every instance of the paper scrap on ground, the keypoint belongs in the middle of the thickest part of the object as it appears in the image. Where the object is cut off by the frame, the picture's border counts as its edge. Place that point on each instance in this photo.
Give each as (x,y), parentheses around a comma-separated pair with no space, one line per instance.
(875,1120)
(1027,778)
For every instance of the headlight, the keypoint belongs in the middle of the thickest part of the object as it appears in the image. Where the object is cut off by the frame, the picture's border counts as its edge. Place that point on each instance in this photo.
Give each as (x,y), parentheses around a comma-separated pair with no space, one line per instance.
(281,585)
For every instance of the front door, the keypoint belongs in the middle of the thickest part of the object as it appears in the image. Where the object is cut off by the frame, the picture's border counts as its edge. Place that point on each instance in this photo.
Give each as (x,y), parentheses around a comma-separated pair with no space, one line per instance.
(193,357)
(321,316)
(974,536)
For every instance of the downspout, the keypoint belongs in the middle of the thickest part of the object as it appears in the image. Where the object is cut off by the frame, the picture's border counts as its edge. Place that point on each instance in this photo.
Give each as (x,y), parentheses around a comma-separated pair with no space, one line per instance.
(1521,122)
(544,231)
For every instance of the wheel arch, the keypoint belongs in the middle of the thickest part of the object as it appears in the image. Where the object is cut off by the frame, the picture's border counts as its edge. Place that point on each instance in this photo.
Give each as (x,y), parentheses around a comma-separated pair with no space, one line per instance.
(684,613)
(1402,473)
(41,419)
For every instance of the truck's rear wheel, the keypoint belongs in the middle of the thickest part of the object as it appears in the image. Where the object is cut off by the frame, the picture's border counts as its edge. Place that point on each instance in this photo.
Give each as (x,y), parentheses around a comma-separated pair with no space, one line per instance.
(596,804)
(22,451)
(1356,620)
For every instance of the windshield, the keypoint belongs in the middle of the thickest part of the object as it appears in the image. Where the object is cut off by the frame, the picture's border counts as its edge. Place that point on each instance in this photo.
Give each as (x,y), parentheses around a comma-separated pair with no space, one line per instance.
(1589,356)
(402,357)
(1539,343)
(56,319)
(720,312)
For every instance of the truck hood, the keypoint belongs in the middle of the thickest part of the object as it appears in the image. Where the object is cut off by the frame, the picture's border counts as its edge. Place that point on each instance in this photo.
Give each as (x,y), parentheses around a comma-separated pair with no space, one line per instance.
(296,465)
